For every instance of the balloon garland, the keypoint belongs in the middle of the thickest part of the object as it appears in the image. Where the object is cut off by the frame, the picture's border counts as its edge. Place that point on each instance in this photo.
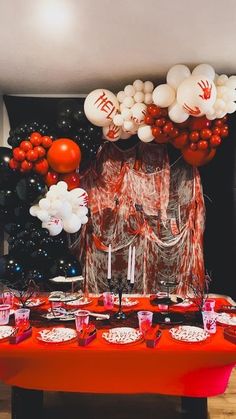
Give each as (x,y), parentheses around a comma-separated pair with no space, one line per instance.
(169,112)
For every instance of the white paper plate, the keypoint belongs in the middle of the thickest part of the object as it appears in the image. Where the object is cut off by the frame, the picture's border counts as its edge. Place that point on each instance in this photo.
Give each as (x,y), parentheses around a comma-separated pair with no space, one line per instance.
(190,334)
(65,280)
(126,302)
(32,302)
(64,317)
(122,335)
(226,319)
(6,331)
(56,335)
(79,302)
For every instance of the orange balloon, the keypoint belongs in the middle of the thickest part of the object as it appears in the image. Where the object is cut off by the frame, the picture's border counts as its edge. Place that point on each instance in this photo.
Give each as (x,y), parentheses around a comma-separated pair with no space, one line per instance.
(64,155)
(198,157)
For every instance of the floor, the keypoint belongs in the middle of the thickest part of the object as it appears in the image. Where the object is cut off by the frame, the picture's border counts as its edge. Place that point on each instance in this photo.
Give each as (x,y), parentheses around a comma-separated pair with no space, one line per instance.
(72,406)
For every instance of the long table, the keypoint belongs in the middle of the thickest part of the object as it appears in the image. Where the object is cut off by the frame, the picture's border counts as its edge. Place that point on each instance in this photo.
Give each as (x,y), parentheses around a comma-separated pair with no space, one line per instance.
(192,371)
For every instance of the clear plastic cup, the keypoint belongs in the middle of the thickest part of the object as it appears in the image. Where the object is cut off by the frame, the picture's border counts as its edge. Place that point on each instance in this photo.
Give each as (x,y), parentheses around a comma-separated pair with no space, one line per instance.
(108,300)
(209,321)
(81,319)
(4,313)
(22,318)
(7,298)
(56,307)
(145,321)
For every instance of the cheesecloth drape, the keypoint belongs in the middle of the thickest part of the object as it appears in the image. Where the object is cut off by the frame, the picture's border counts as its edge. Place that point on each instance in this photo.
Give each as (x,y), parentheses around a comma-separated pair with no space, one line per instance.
(137,198)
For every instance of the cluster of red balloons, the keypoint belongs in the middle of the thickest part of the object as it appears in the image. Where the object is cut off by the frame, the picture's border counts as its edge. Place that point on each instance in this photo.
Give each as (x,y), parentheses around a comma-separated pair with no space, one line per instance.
(31,154)
(55,160)
(163,129)
(197,138)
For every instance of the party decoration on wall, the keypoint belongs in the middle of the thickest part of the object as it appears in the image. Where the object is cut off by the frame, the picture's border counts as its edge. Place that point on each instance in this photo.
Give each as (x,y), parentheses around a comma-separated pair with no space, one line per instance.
(62,209)
(165,113)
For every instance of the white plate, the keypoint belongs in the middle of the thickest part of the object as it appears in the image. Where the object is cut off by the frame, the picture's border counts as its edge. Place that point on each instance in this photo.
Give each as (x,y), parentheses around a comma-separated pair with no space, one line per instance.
(122,335)
(190,334)
(226,319)
(56,335)
(6,331)
(126,302)
(80,302)
(64,317)
(65,280)
(32,302)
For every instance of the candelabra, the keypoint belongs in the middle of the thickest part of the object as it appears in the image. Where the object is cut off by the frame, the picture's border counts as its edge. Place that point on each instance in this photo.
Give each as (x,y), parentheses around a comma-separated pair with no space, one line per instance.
(119,286)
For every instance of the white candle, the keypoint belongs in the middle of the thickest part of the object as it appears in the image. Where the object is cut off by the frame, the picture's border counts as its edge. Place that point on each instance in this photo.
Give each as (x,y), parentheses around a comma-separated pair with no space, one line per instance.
(132,267)
(129,264)
(109,263)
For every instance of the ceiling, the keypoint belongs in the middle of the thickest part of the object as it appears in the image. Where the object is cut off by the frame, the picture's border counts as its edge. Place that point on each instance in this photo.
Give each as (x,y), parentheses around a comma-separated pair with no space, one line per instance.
(75,46)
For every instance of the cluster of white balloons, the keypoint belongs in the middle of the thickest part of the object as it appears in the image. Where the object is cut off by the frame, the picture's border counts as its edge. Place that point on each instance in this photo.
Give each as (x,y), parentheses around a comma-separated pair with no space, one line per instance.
(201,92)
(120,115)
(62,209)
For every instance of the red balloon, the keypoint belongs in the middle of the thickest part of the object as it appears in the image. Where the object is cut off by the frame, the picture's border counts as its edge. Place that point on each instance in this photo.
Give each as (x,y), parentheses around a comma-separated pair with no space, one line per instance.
(202,145)
(18,154)
(215,141)
(205,133)
(40,150)
(195,158)
(35,138)
(160,122)
(219,123)
(72,180)
(26,146)
(180,141)
(154,110)
(41,167)
(162,139)
(193,146)
(156,131)
(32,155)
(224,131)
(168,127)
(210,156)
(51,178)
(46,141)
(64,155)
(26,166)
(194,136)
(13,164)
(148,119)
(199,123)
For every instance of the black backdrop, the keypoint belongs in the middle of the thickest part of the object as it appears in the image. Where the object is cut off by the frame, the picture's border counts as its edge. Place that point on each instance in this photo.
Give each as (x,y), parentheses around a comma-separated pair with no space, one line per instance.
(219,186)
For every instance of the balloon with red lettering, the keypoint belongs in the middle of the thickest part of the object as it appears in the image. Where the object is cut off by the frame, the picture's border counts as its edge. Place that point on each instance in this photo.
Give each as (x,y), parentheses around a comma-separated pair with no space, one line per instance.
(196,95)
(100,107)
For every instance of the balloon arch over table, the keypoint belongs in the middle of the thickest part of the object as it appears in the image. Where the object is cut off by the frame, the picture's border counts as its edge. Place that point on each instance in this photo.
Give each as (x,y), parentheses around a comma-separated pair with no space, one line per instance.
(40,198)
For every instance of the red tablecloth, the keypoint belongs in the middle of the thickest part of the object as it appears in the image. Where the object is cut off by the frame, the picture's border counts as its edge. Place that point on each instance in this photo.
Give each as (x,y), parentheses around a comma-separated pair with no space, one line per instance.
(173,368)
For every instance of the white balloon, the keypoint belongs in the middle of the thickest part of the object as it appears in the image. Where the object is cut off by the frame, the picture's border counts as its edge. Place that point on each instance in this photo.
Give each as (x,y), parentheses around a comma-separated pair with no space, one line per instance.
(196,95)
(126,114)
(120,96)
(72,224)
(148,98)
(78,192)
(128,102)
(177,114)
(112,132)
(139,97)
(122,107)
(222,79)
(54,226)
(145,134)
(84,219)
(229,95)
(44,203)
(118,120)
(61,185)
(65,211)
(125,135)
(219,113)
(81,211)
(211,116)
(100,107)
(129,90)
(138,113)
(177,74)
(128,125)
(231,82)
(34,210)
(163,95)
(221,91)
(204,70)
(43,215)
(219,105)
(231,107)
(138,85)
(56,204)
(148,87)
